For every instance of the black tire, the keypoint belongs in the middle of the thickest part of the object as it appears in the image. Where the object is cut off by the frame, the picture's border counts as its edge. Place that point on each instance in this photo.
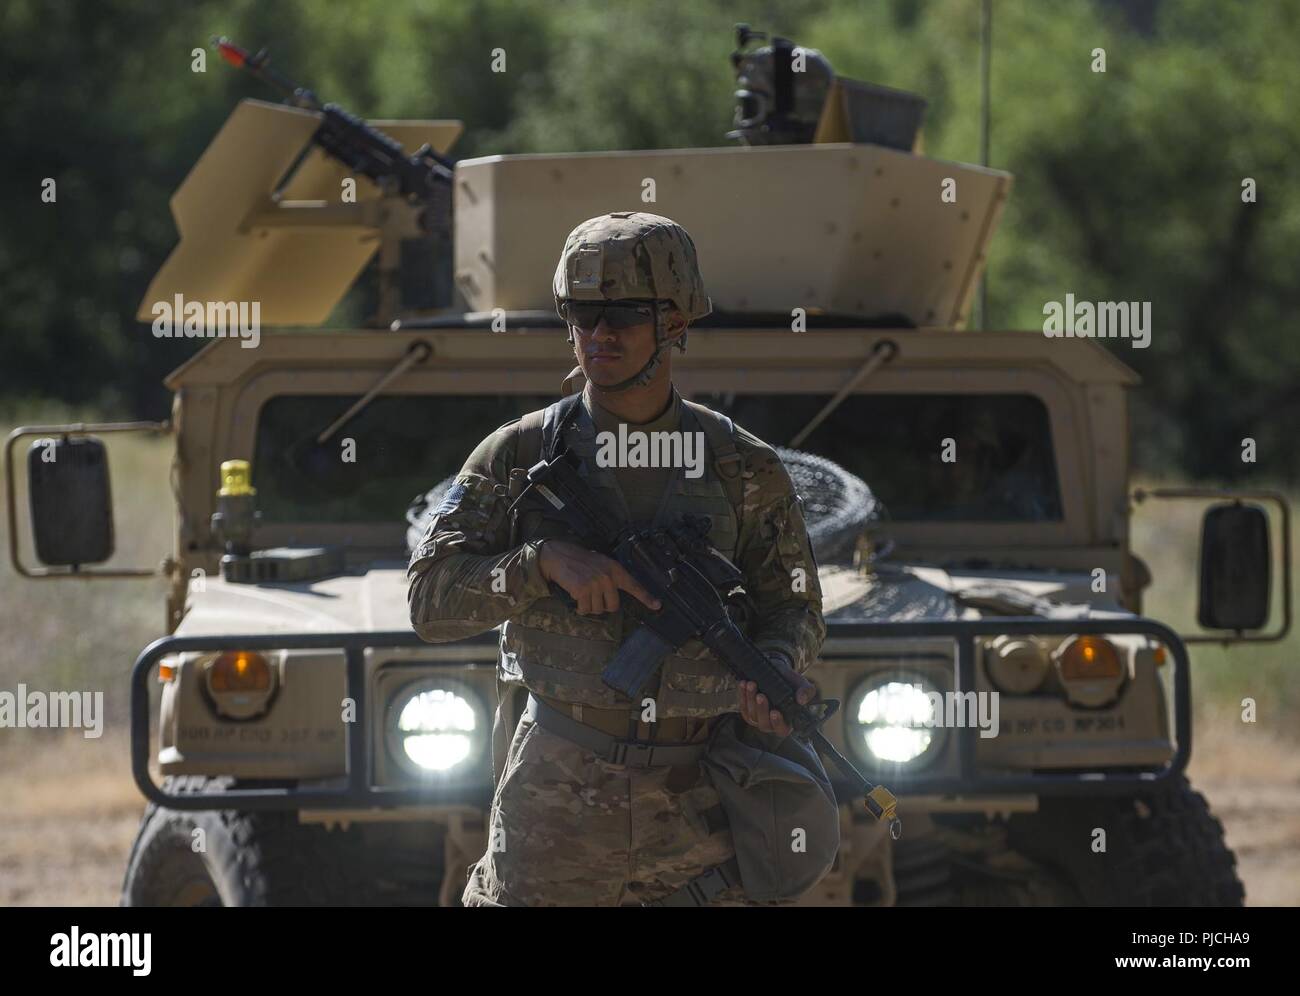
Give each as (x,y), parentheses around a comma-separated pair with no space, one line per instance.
(923,873)
(967,862)
(271,859)
(1162,849)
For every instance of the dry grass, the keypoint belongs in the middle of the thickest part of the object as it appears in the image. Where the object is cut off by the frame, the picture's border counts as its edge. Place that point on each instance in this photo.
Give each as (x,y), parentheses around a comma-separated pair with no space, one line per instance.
(1251,776)
(72,813)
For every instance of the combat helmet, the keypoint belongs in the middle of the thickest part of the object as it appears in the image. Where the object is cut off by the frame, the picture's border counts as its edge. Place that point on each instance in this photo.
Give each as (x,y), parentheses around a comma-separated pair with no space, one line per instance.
(631,254)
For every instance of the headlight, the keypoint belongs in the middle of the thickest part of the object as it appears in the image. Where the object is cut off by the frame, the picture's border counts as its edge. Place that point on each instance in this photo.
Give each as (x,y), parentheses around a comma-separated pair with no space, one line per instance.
(1017,664)
(436,727)
(891,720)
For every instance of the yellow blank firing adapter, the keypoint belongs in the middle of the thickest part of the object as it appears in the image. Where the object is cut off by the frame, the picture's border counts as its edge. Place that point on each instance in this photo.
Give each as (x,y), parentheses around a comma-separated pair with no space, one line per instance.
(236,479)
(880,802)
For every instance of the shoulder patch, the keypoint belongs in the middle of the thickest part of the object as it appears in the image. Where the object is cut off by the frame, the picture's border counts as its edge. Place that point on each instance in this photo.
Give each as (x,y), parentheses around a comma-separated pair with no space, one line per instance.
(450,500)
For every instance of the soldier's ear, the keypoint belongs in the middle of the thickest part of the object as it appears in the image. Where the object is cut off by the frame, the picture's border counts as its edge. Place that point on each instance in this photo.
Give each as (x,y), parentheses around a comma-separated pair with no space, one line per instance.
(674,325)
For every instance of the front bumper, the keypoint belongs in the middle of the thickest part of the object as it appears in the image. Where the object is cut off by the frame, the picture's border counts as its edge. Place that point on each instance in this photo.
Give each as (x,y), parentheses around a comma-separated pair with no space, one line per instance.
(962,777)
(356,789)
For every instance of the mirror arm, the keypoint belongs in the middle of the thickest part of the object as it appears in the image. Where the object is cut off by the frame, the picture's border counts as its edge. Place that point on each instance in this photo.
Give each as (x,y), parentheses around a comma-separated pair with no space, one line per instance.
(1140,495)
(11,492)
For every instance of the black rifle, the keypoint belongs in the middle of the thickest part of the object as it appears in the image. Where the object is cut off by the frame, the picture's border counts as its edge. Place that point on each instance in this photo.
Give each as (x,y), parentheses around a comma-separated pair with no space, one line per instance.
(423,178)
(697,590)
(350,140)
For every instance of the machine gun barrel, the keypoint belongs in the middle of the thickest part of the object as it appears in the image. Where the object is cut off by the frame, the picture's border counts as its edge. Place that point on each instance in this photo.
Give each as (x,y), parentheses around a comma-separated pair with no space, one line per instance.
(259,65)
(362,148)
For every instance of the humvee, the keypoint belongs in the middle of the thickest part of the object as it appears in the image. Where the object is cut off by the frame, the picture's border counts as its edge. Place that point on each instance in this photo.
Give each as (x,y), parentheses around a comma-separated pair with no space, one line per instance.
(329,756)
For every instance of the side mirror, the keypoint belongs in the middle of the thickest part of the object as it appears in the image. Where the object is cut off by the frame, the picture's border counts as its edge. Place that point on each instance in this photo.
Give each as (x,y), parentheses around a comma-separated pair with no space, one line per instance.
(71,503)
(1235,568)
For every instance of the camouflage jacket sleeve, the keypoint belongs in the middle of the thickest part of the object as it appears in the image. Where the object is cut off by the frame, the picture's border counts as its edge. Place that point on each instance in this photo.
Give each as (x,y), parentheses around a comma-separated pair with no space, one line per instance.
(775,555)
(464,576)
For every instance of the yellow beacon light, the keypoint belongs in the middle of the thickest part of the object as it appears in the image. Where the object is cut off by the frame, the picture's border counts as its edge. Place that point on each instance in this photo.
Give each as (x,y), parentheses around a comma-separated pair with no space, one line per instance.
(236,479)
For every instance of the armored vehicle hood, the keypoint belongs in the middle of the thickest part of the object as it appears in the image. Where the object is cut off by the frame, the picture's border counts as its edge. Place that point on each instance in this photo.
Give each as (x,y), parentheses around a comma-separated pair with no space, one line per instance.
(375,601)
(898,592)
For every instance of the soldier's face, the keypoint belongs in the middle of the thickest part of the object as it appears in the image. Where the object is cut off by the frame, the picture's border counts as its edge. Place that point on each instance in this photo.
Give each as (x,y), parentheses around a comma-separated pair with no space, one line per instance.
(608,355)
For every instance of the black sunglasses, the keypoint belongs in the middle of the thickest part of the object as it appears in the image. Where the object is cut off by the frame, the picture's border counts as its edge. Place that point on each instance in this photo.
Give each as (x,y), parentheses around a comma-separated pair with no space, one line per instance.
(618,315)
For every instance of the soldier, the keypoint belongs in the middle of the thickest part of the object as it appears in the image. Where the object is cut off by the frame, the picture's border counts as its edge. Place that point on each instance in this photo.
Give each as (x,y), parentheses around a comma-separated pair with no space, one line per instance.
(583,813)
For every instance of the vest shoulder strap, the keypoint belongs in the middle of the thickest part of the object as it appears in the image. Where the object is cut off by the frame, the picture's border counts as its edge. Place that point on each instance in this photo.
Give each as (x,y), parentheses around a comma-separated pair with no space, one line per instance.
(553,418)
(528,451)
(528,445)
(539,433)
(720,431)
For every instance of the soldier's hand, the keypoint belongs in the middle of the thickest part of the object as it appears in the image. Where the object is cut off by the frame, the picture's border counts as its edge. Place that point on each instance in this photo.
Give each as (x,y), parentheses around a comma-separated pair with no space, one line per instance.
(593,579)
(757,712)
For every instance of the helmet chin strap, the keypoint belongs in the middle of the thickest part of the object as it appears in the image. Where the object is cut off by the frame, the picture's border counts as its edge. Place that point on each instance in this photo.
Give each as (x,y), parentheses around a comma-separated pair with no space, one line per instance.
(642,376)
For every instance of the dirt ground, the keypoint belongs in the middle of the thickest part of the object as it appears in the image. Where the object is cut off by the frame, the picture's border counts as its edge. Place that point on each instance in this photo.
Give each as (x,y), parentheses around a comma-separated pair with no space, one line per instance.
(1253,784)
(71,812)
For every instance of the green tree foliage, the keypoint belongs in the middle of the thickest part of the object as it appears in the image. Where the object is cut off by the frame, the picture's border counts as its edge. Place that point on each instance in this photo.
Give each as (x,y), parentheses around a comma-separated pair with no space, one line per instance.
(1128,182)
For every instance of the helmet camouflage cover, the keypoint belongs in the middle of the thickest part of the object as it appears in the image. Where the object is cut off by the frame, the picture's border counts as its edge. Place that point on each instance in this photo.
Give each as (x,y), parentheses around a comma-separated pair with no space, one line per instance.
(630,254)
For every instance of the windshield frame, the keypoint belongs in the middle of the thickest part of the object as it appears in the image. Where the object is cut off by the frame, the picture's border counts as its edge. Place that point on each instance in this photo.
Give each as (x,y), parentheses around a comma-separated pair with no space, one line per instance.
(1054,391)
(242,435)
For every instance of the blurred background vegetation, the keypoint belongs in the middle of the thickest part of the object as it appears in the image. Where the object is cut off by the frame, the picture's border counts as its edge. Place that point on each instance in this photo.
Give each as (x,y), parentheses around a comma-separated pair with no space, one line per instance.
(1128,182)
(1128,187)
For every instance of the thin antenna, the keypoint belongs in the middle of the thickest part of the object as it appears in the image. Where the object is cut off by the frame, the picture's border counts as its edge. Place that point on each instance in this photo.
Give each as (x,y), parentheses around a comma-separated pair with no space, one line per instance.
(986,62)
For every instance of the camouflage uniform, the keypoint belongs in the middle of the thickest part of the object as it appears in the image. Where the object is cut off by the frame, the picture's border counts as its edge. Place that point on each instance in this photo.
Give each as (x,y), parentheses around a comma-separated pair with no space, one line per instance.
(568,827)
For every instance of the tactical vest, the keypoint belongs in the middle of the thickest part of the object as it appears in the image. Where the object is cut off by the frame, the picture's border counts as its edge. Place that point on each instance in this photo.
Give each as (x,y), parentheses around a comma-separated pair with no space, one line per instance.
(554,651)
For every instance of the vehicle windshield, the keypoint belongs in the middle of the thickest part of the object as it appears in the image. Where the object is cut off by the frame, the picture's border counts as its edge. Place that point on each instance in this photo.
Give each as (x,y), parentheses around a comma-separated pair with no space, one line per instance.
(1000,466)
(928,457)
(401,446)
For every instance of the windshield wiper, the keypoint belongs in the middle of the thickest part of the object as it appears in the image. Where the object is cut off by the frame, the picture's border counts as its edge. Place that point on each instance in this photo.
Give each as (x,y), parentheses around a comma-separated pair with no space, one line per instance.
(881,353)
(418,353)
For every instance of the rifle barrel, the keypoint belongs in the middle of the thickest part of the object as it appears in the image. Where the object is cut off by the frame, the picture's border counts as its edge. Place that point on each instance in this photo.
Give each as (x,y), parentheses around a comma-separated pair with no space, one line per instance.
(259,65)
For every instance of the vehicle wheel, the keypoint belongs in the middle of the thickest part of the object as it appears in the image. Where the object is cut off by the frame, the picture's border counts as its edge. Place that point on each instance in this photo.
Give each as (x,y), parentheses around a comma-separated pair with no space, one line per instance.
(966,861)
(271,859)
(1162,849)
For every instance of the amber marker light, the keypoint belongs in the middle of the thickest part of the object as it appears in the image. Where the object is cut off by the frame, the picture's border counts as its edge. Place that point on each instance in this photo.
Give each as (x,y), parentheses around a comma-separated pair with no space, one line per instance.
(1088,658)
(239,671)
